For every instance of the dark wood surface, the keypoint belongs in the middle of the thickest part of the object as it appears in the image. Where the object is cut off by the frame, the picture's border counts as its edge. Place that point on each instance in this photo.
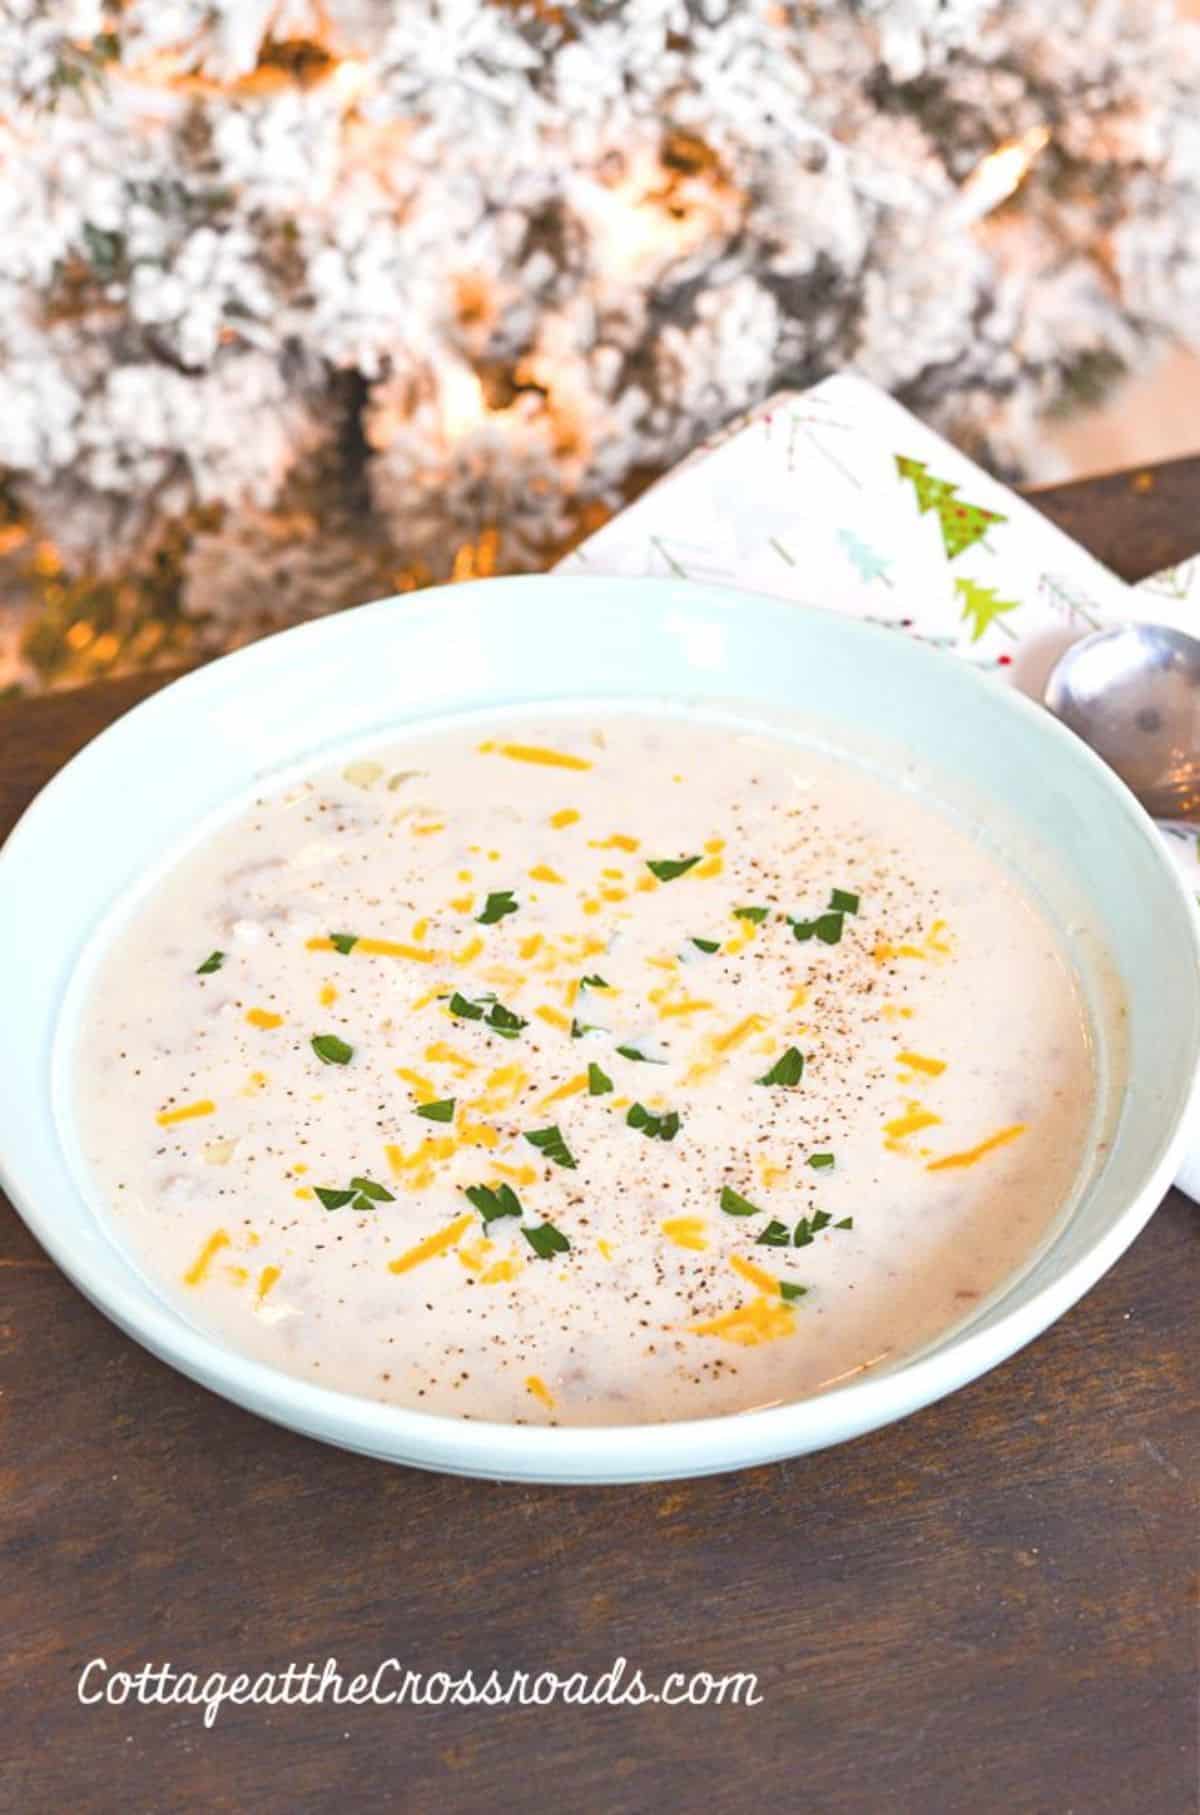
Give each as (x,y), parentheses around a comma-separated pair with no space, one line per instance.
(991,1606)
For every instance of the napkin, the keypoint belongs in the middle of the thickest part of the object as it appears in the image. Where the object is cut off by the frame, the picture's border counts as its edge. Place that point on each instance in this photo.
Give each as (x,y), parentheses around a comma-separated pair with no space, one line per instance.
(839,497)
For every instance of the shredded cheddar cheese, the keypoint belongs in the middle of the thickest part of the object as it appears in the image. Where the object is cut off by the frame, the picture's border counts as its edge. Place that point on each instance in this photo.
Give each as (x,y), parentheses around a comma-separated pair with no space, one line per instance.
(187,1112)
(537,753)
(538,1388)
(263,1017)
(541,872)
(432,1245)
(196,1272)
(933,1068)
(566,816)
(762,1320)
(968,1158)
(266,1279)
(440,1053)
(685,1231)
(377,948)
(572,1088)
(757,1276)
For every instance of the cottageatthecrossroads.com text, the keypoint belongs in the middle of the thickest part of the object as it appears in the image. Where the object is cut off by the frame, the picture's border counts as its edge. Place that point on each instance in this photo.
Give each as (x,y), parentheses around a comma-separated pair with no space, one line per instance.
(391,1685)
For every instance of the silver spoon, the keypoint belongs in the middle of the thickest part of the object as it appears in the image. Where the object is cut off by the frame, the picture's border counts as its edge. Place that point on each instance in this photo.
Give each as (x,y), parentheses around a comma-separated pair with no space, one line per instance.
(1133,694)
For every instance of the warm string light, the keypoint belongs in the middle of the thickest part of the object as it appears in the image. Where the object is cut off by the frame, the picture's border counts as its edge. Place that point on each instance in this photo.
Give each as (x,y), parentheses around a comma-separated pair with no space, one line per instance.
(998,176)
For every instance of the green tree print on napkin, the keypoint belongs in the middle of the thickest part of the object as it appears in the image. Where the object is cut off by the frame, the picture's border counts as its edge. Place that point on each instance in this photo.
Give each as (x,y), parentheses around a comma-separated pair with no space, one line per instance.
(981,608)
(962,525)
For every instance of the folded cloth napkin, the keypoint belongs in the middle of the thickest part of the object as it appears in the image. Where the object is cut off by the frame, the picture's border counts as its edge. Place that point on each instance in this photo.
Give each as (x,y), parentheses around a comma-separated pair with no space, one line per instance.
(840,497)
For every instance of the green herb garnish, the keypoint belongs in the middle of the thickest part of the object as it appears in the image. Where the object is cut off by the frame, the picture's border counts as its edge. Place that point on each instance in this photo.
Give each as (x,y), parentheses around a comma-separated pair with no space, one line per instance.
(499,903)
(579,1028)
(599,1082)
(788,1290)
(212,963)
(808,1227)
(551,1143)
(847,1222)
(330,1050)
(504,1022)
(708,946)
(757,914)
(820,1162)
(465,1010)
(593,982)
(333,1200)
(668,868)
(654,1127)
(367,1187)
(343,942)
(787,1070)
(775,1235)
(501,1020)
(441,1111)
(734,1204)
(843,902)
(362,1194)
(640,1058)
(826,927)
(546,1240)
(503,1201)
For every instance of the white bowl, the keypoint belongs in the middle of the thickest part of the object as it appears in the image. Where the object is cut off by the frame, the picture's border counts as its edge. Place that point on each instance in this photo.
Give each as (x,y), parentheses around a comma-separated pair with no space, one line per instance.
(145,787)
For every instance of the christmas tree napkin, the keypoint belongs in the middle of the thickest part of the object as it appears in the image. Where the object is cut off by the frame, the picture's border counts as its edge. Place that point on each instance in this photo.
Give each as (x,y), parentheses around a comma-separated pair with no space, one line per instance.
(839,497)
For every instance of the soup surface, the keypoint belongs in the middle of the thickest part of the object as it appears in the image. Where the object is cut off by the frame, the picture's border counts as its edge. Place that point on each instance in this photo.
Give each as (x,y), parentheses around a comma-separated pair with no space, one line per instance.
(584,1070)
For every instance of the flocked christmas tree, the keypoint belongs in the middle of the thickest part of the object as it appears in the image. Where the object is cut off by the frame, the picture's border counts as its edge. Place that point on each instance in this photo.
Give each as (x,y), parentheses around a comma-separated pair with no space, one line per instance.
(304,300)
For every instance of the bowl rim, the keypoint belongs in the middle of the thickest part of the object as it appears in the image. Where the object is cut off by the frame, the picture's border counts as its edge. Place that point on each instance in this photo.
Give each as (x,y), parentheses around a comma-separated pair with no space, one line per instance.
(609,1454)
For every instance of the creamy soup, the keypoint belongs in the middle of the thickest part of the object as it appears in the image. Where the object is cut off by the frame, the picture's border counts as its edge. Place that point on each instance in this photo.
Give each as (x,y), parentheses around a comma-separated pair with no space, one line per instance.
(584,1071)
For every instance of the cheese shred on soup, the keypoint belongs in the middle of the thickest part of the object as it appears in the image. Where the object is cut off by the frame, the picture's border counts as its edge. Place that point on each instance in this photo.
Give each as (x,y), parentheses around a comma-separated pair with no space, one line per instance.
(586,1071)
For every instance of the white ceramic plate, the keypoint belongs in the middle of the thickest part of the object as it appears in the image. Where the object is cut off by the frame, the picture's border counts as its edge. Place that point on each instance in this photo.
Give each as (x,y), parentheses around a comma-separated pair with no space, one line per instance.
(142,790)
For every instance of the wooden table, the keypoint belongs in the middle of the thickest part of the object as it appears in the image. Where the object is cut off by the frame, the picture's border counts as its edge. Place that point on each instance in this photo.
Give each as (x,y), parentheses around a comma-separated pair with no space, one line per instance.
(990,1606)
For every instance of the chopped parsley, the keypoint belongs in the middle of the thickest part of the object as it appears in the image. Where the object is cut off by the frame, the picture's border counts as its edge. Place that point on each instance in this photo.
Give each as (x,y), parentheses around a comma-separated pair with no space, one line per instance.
(333,1200)
(212,963)
(820,1162)
(361,1194)
(847,1222)
(593,982)
(491,1204)
(775,1235)
(788,1290)
(843,902)
(734,1204)
(668,868)
(343,942)
(787,1070)
(654,1127)
(494,1014)
(330,1050)
(551,1143)
(707,946)
(441,1111)
(808,1227)
(599,1082)
(826,927)
(546,1240)
(579,1028)
(756,914)
(367,1187)
(499,903)
(641,1058)
(504,1021)
(464,1009)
